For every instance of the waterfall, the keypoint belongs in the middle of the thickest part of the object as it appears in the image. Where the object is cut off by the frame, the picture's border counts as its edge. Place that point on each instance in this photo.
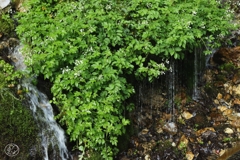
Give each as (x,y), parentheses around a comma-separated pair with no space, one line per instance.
(195,94)
(51,134)
(199,64)
(171,88)
(139,112)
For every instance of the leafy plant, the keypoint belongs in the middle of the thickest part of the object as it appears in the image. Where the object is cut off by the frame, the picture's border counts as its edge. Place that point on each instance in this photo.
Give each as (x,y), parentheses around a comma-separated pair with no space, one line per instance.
(183,147)
(89,49)
(228,67)
(227,139)
(6,24)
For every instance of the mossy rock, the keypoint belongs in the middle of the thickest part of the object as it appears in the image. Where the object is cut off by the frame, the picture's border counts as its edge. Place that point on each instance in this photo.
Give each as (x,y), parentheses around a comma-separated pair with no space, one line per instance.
(228,67)
(17,126)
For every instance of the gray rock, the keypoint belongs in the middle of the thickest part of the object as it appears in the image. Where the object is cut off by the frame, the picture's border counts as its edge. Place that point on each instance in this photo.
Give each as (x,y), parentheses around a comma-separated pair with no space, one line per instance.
(4,3)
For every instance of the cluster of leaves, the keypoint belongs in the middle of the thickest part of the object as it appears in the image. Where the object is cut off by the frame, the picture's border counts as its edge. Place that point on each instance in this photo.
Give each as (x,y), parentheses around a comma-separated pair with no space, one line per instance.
(235,5)
(17,123)
(87,48)
(6,24)
(9,77)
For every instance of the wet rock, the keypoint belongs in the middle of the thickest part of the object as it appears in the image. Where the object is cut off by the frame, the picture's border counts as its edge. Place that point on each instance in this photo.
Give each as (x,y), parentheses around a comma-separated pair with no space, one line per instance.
(174,144)
(222,152)
(228,131)
(228,88)
(235,123)
(224,103)
(4,3)
(159,129)
(147,157)
(227,97)
(219,96)
(200,120)
(233,117)
(171,128)
(204,151)
(167,117)
(236,101)
(201,131)
(183,143)
(148,146)
(236,78)
(13,42)
(216,101)
(236,90)
(187,115)
(226,55)
(208,76)
(189,155)
(209,134)
(237,114)
(144,131)
(227,112)
(222,108)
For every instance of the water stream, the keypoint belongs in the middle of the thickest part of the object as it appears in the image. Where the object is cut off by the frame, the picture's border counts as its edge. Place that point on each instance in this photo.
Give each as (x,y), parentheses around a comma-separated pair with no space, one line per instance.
(51,134)
(171,89)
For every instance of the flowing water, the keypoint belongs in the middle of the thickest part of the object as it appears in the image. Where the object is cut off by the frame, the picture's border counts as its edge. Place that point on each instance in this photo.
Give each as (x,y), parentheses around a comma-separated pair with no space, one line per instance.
(51,134)
(198,67)
(171,89)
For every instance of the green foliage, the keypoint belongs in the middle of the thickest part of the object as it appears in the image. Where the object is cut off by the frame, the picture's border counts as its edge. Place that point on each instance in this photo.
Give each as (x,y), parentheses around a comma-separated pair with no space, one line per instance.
(88,48)
(229,67)
(227,139)
(8,79)
(6,24)
(9,75)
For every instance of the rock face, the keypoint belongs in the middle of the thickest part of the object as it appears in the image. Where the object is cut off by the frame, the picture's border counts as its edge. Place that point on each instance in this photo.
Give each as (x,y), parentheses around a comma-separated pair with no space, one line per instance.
(227,55)
(4,3)
(196,129)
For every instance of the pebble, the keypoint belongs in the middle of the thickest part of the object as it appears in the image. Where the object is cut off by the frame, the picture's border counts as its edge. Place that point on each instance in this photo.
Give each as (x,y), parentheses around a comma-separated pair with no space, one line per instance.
(228,131)
(189,155)
(187,115)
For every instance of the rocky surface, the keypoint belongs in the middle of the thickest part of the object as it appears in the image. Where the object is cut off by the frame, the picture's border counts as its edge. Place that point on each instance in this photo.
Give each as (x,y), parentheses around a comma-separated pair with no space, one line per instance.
(194,129)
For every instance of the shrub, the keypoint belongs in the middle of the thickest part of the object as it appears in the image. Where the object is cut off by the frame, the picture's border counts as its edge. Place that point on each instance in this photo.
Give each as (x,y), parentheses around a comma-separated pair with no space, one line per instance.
(89,48)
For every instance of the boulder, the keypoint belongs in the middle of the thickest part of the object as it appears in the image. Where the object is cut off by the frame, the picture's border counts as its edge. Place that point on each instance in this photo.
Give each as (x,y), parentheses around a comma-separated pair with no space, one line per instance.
(4,3)
(226,55)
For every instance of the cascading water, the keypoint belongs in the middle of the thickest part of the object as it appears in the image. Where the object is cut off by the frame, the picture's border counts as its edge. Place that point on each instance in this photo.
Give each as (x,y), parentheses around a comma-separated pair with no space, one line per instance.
(195,94)
(199,64)
(50,132)
(171,88)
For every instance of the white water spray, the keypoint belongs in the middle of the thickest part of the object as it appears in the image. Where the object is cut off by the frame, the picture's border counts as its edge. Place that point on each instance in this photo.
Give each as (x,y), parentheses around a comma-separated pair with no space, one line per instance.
(50,133)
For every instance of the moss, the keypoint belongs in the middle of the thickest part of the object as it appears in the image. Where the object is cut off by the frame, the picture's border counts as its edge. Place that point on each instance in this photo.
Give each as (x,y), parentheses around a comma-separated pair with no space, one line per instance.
(17,123)
(228,67)
(17,126)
